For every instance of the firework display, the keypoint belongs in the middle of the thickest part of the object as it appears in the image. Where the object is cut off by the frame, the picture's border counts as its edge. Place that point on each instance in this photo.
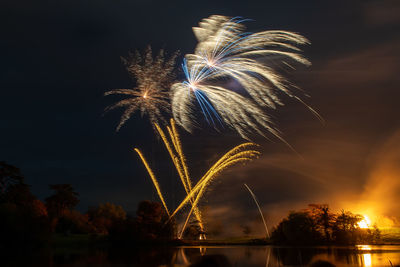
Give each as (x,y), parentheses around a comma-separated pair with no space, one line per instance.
(150,96)
(258,207)
(239,154)
(232,76)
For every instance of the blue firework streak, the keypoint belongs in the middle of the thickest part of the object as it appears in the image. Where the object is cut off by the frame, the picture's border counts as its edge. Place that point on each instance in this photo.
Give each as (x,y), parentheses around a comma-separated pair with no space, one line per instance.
(196,75)
(227,52)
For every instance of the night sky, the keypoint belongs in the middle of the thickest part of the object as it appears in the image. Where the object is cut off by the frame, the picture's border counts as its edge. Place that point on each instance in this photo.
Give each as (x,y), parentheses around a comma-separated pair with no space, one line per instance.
(59,57)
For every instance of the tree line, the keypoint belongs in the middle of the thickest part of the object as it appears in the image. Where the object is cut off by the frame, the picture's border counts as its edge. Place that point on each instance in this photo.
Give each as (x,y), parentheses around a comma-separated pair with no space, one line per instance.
(26,220)
(318,225)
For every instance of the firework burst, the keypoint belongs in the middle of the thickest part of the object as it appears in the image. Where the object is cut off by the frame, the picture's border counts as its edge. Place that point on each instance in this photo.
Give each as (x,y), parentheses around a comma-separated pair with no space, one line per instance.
(249,58)
(153,76)
(220,105)
(228,60)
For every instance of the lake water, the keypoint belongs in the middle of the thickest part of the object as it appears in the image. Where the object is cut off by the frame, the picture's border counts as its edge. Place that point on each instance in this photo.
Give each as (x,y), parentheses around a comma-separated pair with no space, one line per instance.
(227,256)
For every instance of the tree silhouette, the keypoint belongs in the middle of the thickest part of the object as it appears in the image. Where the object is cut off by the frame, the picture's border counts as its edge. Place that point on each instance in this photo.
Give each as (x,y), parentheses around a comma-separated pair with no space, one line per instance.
(193,231)
(9,175)
(63,199)
(298,228)
(323,217)
(103,216)
(152,221)
(317,225)
(24,219)
(346,229)
(151,224)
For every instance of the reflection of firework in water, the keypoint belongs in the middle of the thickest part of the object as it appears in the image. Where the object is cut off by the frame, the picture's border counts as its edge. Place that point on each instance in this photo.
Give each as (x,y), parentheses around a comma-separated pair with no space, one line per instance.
(226,52)
(239,154)
(153,77)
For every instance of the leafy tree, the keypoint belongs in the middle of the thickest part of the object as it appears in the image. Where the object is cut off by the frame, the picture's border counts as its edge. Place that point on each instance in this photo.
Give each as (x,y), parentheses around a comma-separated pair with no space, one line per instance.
(193,231)
(375,234)
(24,219)
(152,220)
(9,175)
(63,199)
(150,212)
(39,208)
(151,225)
(21,195)
(318,225)
(74,222)
(346,229)
(103,216)
(297,228)
(324,219)
(21,227)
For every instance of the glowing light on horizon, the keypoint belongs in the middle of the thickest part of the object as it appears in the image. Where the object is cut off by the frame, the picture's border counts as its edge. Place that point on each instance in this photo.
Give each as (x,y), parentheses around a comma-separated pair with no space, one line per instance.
(153,77)
(365,222)
(367,260)
(366,257)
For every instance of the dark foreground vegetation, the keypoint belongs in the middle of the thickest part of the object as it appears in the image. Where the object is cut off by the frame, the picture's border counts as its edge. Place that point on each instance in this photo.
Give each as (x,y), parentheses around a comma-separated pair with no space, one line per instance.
(27,221)
(318,225)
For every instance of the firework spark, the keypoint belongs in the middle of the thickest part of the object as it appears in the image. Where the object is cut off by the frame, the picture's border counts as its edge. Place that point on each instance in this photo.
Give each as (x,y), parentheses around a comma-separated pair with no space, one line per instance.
(239,154)
(225,47)
(259,208)
(218,104)
(225,55)
(153,77)
(179,161)
(154,179)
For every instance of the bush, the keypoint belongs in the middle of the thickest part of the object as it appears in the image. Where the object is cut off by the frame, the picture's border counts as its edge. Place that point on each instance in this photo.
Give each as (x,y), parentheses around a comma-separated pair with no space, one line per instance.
(74,222)
(22,227)
(297,229)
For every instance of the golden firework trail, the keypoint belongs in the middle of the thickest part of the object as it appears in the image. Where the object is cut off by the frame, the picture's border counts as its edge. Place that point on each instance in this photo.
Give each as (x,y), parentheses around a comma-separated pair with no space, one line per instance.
(227,60)
(239,154)
(229,160)
(154,179)
(179,162)
(153,76)
(259,209)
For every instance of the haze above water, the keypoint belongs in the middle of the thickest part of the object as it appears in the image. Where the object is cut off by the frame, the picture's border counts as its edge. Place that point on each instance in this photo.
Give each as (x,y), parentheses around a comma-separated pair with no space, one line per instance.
(229,256)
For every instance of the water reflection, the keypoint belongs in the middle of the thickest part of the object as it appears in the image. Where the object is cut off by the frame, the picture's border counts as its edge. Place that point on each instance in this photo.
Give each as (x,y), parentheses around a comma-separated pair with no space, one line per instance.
(367,262)
(198,256)
(366,256)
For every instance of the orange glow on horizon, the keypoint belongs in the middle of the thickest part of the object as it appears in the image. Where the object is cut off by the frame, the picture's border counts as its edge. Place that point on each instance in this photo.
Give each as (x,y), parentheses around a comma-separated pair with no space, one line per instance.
(365,223)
